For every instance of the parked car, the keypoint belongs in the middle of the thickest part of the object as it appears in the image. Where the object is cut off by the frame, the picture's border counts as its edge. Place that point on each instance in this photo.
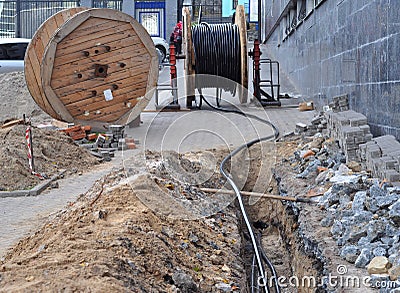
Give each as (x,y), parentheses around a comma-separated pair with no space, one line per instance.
(161,45)
(12,52)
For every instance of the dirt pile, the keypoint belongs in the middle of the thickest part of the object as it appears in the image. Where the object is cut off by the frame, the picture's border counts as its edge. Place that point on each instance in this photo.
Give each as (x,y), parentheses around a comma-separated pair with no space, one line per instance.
(53,151)
(15,99)
(109,241)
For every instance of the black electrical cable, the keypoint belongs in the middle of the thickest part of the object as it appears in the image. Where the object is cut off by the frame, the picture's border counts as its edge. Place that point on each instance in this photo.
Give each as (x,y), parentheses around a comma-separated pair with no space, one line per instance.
(259,253)
(270,265)
(217,52)
(253,281)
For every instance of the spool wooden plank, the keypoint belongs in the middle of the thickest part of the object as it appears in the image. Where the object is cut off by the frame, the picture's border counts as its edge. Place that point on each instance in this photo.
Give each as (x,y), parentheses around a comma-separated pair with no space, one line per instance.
(108,110)
(92,83)
(189,60)
(81,58)
(83,98)
(120,32)
(34,56)
(96,65)
(99,104)
(34,80)
(58,81)
(240,21)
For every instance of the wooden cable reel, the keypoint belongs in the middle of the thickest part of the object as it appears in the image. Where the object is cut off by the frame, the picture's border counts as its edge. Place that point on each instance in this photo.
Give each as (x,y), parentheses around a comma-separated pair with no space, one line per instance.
(93,66)
(190,61)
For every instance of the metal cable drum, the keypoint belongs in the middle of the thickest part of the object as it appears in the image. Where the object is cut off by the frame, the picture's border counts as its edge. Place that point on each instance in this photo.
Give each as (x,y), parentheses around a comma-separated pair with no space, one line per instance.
(93,66)
(217,50)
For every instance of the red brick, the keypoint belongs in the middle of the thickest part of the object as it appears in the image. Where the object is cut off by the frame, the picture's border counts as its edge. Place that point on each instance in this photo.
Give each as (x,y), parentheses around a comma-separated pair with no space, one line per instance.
(72,129)
(92,136)
(129,140)
(77,134)
(131,145)
(87,128)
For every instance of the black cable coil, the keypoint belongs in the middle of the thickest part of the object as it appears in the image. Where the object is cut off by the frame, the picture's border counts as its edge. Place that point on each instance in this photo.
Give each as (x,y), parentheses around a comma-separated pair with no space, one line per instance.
(217,52)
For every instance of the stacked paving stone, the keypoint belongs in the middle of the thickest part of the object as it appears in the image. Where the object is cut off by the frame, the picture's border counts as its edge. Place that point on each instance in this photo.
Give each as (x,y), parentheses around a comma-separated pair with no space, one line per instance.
(340,103)
(350,129)
(381,156)
(318,124)
(106,144)
(111,137)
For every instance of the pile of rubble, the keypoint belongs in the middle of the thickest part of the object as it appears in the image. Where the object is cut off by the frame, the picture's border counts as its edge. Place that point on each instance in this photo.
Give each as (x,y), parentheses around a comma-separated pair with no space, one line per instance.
(364,218)
(102,145)
(380,156)
(53,152)
(111,241)
(363,213)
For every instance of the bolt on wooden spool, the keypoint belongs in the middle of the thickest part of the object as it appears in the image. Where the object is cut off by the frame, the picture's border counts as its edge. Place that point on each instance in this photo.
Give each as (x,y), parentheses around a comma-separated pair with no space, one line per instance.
(91,66)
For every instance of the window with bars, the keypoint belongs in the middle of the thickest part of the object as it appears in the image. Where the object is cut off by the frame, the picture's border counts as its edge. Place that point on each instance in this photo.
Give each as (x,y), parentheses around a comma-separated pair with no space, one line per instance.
(296,12)
(301,9)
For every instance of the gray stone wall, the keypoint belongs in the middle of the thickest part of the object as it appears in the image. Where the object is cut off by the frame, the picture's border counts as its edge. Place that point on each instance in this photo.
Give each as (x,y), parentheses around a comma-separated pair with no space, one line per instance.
(347,46)
(171,15)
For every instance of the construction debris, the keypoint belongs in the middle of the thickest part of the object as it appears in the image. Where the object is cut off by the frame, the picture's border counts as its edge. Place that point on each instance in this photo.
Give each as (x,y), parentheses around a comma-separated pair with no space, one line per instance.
(306,106)
(53,151)
(382,157)
(350,129)
(102,145)
(340,103)
(12,123)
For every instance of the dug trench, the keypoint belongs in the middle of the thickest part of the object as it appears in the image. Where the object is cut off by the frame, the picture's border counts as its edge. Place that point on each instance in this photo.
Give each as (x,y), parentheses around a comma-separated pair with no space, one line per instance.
(144,229)
(277,223)
(305,256)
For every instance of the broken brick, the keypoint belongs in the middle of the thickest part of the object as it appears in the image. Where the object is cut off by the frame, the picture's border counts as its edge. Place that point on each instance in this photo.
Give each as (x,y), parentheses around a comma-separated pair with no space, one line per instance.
(129,140)
(72,129)
(91,136)
(130,145)
(87,128)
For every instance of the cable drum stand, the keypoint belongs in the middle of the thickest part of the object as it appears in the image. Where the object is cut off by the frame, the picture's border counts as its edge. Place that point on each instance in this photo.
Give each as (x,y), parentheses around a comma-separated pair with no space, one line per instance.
(271,98)
(218,50)
(173,87)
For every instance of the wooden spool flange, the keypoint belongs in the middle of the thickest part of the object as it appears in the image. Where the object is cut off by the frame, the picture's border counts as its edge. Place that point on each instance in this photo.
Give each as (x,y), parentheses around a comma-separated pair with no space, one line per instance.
(91,66)
(240,21)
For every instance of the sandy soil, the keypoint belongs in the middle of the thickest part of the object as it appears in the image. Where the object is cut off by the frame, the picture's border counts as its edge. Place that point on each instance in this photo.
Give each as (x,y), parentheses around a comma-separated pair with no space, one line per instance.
(111,240)
(53,151)
(15,99)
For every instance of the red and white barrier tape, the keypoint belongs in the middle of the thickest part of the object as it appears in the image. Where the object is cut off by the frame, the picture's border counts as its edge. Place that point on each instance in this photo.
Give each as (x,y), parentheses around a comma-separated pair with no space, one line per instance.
(28,137)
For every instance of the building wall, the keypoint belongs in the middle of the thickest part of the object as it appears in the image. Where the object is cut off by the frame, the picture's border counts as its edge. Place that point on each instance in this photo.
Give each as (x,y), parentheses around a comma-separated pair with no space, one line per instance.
(171,15)
(345,46)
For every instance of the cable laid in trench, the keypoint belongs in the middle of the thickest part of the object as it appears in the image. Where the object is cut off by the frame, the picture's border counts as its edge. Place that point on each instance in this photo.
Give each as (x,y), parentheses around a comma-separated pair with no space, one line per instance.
(259,254)
(217,52)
